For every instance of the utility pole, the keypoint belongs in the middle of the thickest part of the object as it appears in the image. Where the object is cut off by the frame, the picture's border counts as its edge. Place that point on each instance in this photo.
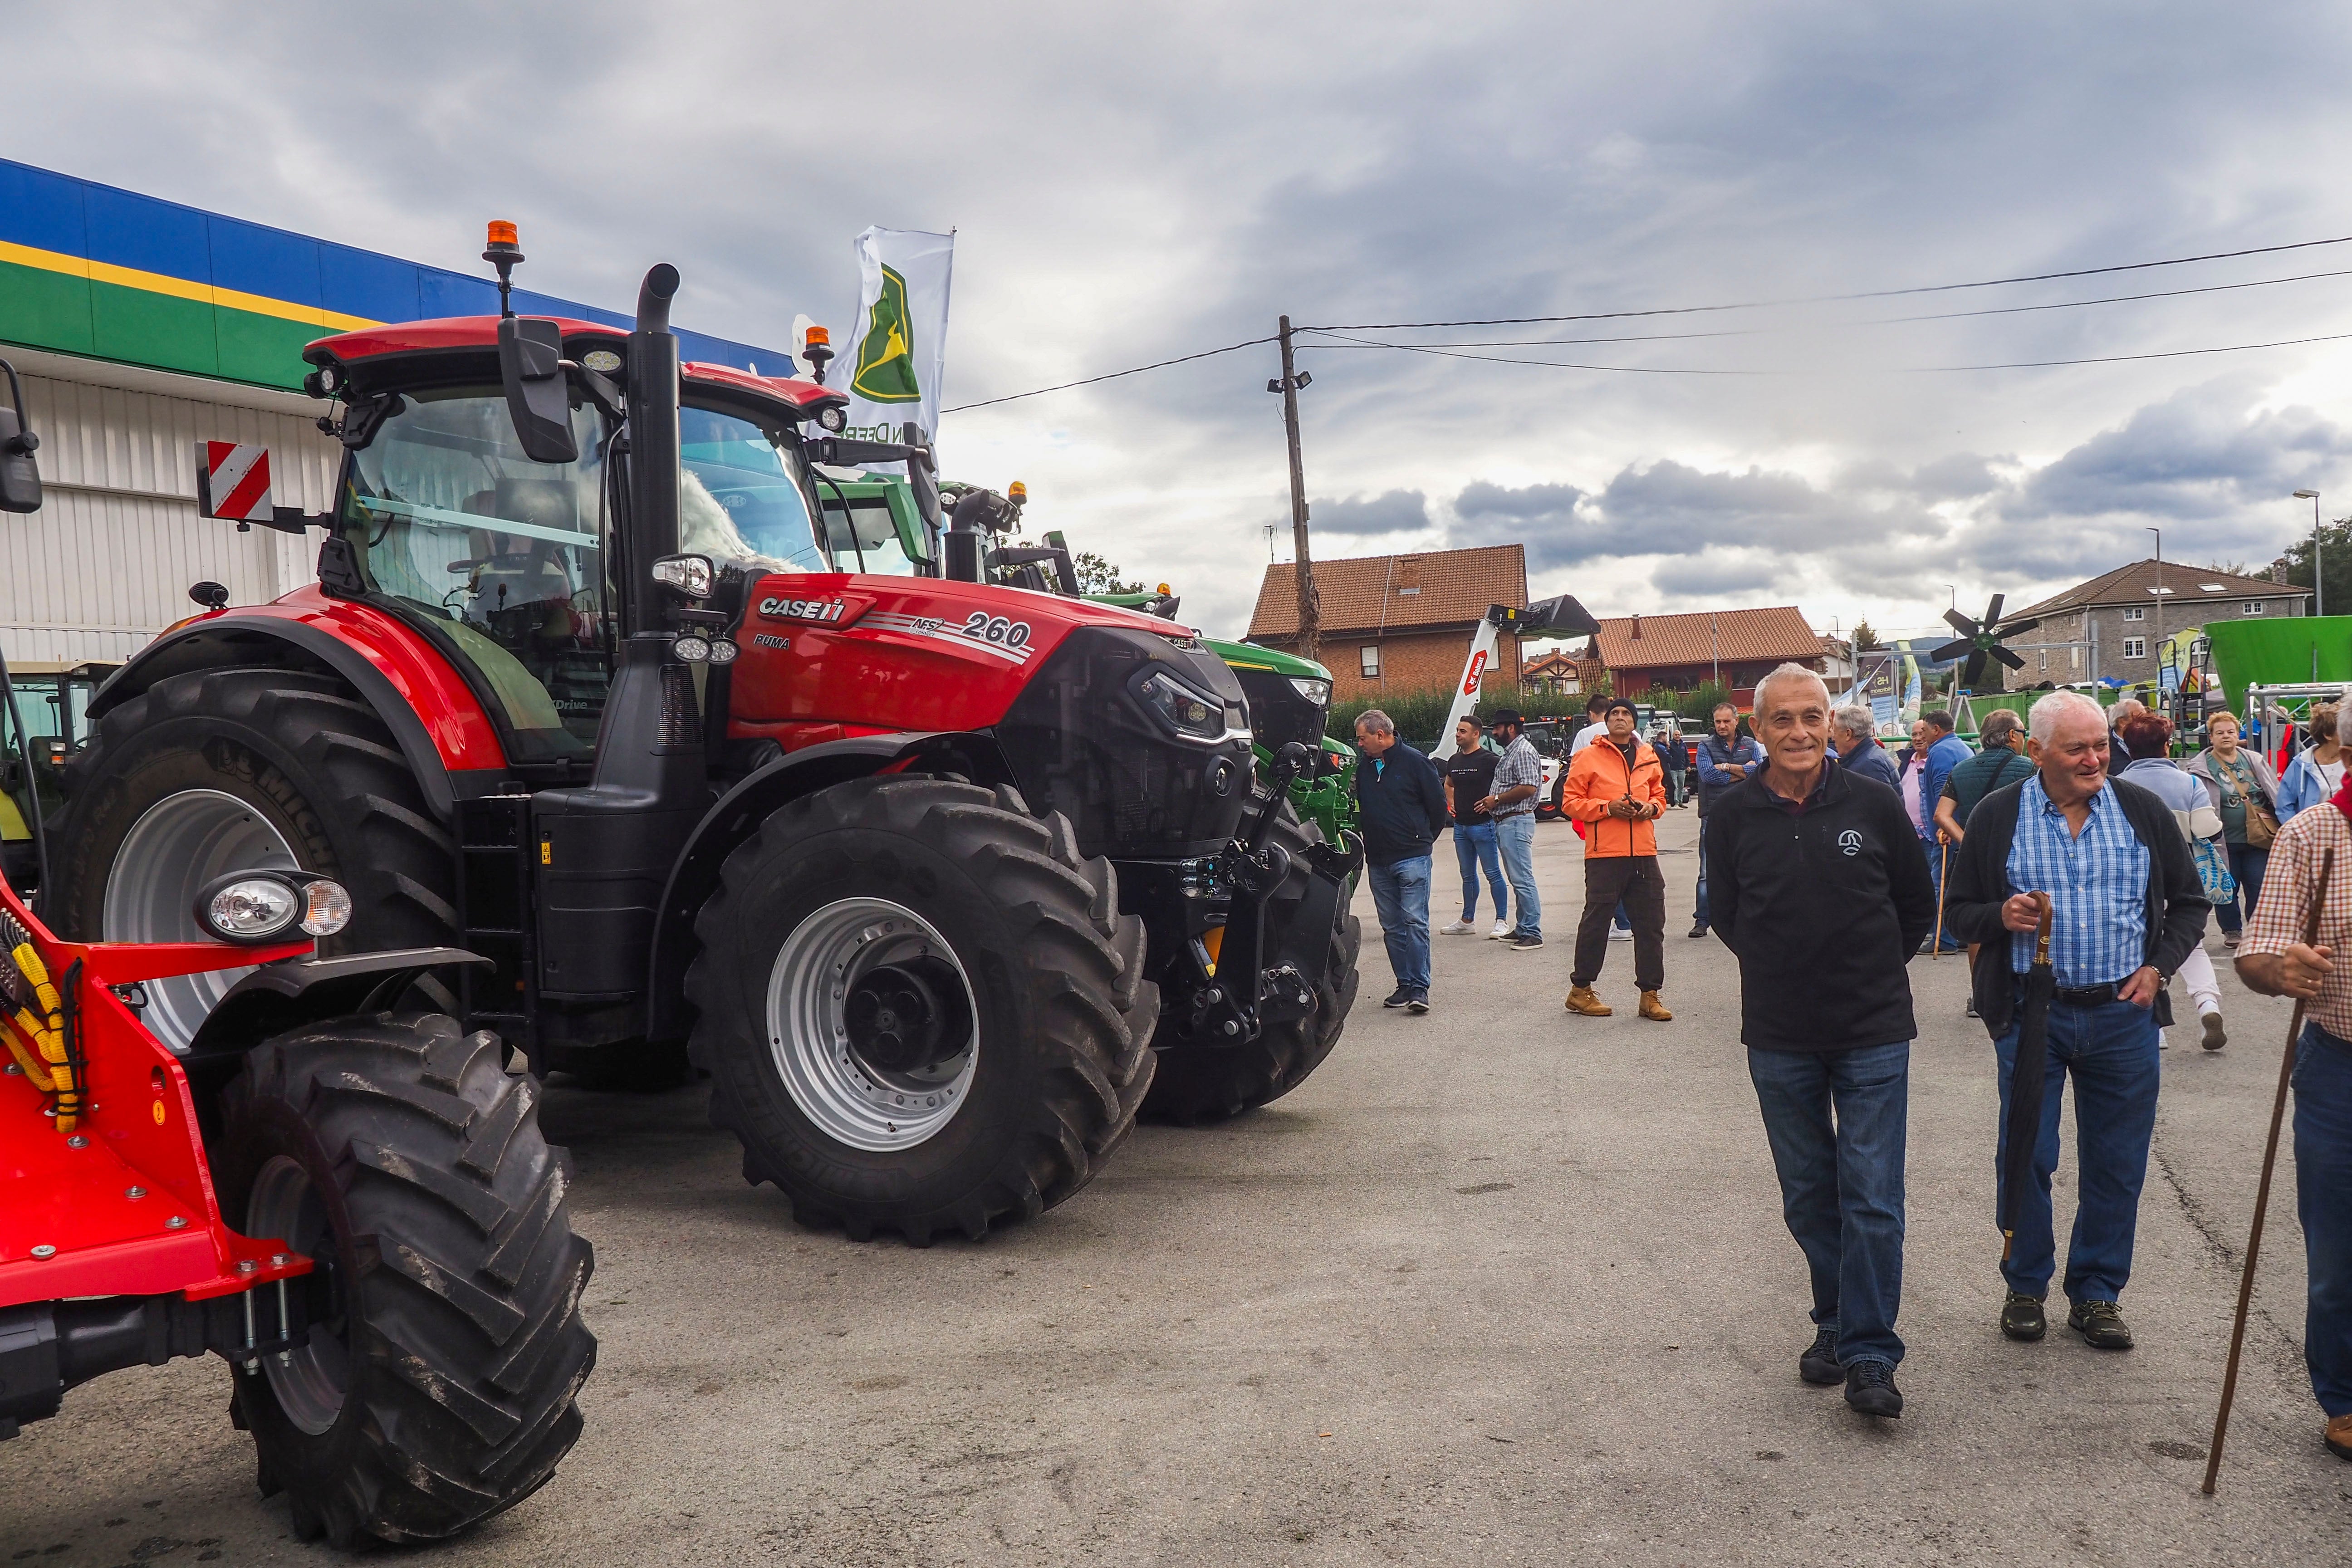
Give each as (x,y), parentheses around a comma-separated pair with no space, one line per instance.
(1310,604)
(2319,593)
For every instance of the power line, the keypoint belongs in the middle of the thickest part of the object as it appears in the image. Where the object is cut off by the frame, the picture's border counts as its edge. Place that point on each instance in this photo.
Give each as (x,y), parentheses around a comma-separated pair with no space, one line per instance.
(1114,375)
(1869,321)
(1836,299)
(1444,352)
(1892,370)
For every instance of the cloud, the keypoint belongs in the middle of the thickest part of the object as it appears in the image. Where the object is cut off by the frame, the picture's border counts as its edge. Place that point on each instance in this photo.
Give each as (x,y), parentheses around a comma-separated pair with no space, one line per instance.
(1396,512)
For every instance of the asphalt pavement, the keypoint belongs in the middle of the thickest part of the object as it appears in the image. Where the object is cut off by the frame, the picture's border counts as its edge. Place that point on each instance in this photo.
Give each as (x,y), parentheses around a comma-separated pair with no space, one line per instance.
(1496,1285)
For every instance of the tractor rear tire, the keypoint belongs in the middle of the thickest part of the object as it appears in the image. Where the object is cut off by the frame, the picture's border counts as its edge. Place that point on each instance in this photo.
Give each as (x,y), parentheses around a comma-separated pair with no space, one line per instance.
(1197,1084)
(446,1345)
(1039,1055)
(319,780)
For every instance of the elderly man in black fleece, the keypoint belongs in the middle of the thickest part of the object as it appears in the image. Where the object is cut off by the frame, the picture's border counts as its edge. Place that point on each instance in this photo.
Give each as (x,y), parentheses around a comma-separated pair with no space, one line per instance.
(1819,887)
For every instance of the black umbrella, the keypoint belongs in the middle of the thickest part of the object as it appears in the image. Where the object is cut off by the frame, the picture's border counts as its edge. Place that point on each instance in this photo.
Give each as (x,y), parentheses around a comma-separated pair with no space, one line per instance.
(2026,1073)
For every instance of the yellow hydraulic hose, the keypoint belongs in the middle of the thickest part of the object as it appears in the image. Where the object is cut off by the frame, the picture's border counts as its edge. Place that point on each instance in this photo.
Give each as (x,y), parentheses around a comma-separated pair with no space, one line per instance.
(43,1030)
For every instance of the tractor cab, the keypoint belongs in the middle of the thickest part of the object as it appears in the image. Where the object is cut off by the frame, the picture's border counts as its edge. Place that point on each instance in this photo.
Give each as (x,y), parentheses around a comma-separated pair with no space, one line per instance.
(506,561)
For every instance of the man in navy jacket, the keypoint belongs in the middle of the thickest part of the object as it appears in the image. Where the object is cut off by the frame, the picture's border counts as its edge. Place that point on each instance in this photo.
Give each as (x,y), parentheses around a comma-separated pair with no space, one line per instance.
(1401,810)
(1946,751)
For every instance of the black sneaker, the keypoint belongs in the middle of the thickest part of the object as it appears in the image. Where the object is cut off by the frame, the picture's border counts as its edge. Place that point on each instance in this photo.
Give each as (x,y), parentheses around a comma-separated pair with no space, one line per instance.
(2021,1316)
(1417,1003)
(1870,1388)
(1819,1362)
(1698,928)
(1398,997)
(1527,941)
(2101,1324)
(1972,1008)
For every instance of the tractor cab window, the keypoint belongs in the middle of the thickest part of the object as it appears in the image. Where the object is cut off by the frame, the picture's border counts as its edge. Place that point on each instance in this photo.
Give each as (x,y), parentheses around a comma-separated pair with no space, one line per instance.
(744,495)
(871,526)
(504,555)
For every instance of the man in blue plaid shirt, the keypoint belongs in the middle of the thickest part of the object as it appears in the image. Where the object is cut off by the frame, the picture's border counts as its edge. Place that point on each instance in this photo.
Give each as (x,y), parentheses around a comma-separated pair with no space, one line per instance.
(2127,908)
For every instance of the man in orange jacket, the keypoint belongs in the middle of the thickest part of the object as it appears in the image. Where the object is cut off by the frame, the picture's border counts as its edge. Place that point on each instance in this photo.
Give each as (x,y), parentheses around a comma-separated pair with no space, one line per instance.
(1617,790)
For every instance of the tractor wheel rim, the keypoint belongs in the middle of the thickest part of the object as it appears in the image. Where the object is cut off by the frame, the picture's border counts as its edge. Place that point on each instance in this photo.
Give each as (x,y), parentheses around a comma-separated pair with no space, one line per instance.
(312,1383)
(178,845)
(818,975)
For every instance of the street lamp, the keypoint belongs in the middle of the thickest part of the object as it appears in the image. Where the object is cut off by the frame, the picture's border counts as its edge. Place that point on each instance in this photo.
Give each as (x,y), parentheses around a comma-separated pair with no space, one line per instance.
(2156,645)
(2318,595)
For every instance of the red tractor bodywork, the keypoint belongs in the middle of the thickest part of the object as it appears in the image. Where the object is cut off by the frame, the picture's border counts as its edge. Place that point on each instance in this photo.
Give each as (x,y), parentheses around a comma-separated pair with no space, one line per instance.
(125,1201)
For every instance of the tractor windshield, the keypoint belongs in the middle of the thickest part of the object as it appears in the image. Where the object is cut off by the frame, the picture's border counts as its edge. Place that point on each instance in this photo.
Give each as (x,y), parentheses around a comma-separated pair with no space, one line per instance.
(503,556)
(744,495)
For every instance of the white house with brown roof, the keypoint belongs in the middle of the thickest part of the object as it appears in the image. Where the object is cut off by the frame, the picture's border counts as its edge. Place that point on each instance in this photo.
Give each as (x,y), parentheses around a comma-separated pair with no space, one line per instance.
(1397,622)
(2126,614)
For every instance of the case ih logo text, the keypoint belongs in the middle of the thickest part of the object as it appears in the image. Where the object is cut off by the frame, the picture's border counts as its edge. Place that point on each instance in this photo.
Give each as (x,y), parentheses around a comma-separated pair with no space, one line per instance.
(801,609)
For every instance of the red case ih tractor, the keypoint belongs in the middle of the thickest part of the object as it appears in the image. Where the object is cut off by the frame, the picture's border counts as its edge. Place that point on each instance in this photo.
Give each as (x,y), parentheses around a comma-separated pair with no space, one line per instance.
(919,870)
(353,1206)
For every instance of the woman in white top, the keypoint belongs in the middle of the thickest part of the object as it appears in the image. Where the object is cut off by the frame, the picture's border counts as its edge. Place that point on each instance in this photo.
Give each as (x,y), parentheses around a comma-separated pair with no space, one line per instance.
(2317,771)
(2150,736)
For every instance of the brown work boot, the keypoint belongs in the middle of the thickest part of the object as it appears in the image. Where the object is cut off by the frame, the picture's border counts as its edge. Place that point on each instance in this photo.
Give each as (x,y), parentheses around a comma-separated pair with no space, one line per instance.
(1654,1010)
(2339,1437)
(1583,999)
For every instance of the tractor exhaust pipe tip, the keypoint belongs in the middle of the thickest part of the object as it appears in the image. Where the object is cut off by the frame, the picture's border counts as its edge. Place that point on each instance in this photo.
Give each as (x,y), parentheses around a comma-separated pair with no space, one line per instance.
(653,296)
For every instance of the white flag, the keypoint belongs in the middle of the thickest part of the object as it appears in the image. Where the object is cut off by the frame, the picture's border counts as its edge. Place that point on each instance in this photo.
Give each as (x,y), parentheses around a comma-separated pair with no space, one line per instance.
(890,367)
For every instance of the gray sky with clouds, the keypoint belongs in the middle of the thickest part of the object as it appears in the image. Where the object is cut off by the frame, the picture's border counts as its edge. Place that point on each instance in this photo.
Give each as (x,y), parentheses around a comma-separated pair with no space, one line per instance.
(1130,183)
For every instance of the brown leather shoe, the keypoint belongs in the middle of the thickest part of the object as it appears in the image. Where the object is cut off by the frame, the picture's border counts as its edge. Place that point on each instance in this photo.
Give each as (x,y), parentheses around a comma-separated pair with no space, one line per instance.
(1654,1010)
(2339,1437)
(1585,1000)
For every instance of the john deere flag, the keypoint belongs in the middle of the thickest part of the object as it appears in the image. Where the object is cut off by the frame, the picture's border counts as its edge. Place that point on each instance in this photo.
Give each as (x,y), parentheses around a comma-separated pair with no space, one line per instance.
(890,366)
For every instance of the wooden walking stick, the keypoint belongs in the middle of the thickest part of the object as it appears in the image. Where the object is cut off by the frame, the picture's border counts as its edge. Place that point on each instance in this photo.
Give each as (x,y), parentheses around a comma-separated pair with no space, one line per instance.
(2262,1190)
(1943,879)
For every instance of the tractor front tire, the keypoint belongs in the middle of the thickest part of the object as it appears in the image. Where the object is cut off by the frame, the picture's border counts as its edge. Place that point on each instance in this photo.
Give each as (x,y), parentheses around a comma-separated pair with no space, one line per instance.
(1197,1084)
(446,1345)
(920,1008)
(229,770)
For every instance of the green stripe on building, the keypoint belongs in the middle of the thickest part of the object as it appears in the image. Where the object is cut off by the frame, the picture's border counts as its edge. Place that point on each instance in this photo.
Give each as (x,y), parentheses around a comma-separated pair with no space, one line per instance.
(45,310)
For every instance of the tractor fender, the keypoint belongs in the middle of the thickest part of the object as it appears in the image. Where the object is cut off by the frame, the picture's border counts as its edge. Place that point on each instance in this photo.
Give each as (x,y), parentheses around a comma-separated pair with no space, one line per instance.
(752,800)
(286,995)
(228,640)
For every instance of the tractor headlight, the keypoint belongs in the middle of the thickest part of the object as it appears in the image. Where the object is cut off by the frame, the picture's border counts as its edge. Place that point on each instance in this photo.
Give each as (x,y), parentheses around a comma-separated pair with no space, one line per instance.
(250,908)
(692,650)
(692,575)
(1319,692)
(1185,710)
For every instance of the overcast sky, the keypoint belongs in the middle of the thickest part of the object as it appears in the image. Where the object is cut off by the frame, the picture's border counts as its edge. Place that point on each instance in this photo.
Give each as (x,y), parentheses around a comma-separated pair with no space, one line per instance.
(1130,183)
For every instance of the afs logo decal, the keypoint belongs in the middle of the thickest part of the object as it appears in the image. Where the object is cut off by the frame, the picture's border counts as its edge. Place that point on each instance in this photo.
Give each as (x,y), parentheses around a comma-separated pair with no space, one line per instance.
(885,355)
(801,609)
(1850,842)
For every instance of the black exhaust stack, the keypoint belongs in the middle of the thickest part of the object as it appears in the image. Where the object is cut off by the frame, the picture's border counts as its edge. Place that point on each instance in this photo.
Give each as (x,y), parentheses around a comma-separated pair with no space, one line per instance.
(604,852)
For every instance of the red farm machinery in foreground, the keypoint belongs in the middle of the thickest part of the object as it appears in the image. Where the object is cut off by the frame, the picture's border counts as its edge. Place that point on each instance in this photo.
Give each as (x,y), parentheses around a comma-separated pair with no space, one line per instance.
(349,1201)
(927,874)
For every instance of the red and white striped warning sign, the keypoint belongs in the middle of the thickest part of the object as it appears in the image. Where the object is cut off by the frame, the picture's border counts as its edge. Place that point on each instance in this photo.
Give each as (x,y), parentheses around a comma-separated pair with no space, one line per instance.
(233,480)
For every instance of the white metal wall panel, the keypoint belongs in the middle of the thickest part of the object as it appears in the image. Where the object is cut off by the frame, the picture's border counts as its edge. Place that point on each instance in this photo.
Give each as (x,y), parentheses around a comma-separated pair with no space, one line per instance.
(107,562)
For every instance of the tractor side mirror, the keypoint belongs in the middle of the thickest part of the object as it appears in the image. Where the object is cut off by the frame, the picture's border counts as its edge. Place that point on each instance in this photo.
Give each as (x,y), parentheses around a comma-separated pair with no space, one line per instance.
(539,400)
(20,477)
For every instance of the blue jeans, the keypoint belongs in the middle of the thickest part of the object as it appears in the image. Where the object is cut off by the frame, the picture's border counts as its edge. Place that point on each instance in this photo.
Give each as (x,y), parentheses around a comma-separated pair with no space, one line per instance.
(2247,865)
(1837,1123)
(1514,836)
(1401,894)
(1473,847)
(2110,1053)
(1937,854)
(2323,1199)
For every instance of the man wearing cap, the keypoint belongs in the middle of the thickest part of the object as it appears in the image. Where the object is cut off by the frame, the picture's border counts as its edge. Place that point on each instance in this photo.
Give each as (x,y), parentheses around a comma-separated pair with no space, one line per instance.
(1511,805)
(1614,787)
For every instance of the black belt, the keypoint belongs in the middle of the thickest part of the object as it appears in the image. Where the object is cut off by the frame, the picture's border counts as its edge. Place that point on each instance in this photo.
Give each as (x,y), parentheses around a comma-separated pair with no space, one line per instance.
(2074,995)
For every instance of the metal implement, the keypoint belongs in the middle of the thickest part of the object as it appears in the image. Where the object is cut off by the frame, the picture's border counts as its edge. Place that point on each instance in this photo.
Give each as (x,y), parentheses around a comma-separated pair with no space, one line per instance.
(2262,1190)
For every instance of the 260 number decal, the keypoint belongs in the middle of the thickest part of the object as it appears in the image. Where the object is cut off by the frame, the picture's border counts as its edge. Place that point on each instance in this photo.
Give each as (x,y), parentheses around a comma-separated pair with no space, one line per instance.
(985,627)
